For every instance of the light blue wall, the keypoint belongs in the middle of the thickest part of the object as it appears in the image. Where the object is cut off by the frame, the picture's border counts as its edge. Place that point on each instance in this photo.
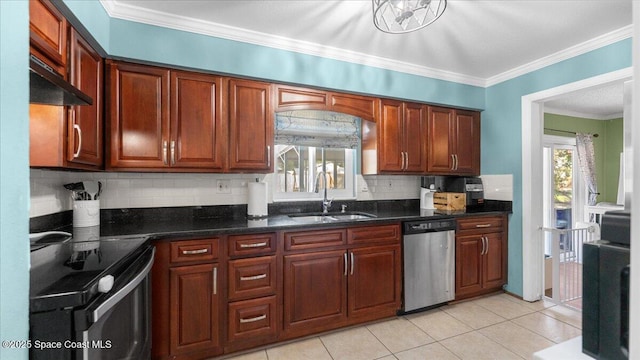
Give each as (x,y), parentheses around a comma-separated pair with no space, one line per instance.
(501,127)
(94,17)
(156,44)
(14,175)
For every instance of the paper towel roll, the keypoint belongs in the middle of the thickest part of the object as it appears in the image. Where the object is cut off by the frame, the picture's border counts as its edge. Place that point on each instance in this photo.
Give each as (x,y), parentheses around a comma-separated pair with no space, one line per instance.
(257,206)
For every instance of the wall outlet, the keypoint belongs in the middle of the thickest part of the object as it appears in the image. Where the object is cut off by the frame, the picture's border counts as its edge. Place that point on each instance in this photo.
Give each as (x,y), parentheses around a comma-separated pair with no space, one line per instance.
(223,187)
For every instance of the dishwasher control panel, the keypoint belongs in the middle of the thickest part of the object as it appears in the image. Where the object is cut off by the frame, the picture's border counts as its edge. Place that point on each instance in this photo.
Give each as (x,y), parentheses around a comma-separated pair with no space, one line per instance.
(422,226)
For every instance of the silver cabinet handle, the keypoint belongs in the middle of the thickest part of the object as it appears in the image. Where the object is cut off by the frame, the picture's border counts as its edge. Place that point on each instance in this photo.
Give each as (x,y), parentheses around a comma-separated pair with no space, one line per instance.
(483,225)
(254,245)
(194,252)
(456,157)
(173,152)
(406,161)
(345,264)
(483,245)
(487,241)
(352,263)
(255,277)
(253,319)
(215,281)
(164,152)
(453,162)
(77,128)
(402,160)
(269,156)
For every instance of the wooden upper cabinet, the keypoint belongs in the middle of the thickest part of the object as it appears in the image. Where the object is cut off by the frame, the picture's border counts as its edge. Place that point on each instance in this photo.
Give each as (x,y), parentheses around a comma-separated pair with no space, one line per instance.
(85,123)
(197,135)
(295,98)
(361,106)
(401,131)
(71,137)
(164,120)
(138,130)
(390,137)
(467,138)
(440,143)
(48,34)
(454,141)
(250,126)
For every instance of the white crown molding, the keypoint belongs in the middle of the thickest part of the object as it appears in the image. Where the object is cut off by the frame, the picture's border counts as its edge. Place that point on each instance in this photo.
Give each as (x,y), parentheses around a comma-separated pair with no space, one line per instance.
(582,48)
(564,112)
(125,11)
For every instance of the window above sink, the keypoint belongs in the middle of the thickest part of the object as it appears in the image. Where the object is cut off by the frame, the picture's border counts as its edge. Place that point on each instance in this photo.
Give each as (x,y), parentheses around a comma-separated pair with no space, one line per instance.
(313,143)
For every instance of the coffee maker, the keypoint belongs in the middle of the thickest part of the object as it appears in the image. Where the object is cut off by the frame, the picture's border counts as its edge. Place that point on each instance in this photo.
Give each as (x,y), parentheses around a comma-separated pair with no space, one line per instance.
(471,186)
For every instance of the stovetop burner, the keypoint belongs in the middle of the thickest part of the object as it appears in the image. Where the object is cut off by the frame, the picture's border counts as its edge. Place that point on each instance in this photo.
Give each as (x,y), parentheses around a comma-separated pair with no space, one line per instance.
(66,273)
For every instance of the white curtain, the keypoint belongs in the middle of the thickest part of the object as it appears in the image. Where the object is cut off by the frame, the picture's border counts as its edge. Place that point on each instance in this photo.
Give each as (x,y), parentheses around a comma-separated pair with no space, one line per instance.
(587,161)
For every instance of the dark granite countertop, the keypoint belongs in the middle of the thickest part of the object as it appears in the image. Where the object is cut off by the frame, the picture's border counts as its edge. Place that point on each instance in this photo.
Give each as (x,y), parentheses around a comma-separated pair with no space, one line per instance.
(193,222)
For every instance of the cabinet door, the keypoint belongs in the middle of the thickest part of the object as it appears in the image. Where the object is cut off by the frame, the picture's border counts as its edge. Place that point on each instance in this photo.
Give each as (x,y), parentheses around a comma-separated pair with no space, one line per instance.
(194,309)
(374,280)
(250,126)
(415,135)
(494,262)
(295,98)
(440,145)
(390,156)
(468,265)
(314,291)
(467,142)
(356,105)
(48,34)
(85,122)
(197,137)
(138,116)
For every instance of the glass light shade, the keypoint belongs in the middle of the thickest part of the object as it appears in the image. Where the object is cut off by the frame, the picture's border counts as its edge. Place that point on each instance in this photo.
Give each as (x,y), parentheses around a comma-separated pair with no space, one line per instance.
(403,16)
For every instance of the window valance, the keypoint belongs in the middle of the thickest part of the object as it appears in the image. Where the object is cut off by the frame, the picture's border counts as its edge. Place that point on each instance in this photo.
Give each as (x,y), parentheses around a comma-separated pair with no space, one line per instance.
(317,128)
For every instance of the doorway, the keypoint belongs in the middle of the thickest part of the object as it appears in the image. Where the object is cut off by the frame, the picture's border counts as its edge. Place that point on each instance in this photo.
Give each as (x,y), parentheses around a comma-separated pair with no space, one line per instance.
(564,197)
(532,177)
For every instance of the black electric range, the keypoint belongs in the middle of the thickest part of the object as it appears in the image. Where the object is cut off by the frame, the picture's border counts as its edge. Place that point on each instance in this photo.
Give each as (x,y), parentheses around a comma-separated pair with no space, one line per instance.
(84,289)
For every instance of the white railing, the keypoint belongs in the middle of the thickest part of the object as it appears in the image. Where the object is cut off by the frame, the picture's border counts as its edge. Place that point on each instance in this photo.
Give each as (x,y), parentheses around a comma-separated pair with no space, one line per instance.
(566,261)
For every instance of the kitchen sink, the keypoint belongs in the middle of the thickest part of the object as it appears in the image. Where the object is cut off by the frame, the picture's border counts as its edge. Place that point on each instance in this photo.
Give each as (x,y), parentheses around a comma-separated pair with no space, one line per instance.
(313,218)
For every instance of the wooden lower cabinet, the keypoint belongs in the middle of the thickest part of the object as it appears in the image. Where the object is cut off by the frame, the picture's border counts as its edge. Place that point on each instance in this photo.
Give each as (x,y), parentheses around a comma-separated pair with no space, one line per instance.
(481,255)
(315,291)
(327,289)
(374,281)
(187,293)
(220,295)
(194,312)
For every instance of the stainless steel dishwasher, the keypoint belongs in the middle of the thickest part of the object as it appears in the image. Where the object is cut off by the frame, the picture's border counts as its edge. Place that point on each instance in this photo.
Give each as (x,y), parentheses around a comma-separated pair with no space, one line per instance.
(429,263)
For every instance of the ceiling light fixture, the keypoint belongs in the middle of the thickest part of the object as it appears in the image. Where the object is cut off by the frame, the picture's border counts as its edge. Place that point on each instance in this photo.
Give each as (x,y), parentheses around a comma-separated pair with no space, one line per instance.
(403,16)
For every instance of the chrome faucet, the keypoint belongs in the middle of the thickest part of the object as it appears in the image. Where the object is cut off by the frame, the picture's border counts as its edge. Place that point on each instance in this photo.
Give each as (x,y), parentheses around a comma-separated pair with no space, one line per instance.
(326,203)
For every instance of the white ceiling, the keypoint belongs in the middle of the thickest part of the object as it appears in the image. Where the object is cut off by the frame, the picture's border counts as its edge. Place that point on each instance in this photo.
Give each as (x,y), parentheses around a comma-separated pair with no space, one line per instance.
(478,42)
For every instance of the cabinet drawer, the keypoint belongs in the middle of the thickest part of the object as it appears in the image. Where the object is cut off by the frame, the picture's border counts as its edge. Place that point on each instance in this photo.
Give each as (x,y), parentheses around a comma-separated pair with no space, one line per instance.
(194,250)
(301,240)
(253,244)
(374,234)
(253,318)
(481,224)
(252,277)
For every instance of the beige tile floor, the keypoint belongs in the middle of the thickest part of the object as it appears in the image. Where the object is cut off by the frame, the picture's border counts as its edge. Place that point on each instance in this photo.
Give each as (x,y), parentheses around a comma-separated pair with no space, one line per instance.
(493,327)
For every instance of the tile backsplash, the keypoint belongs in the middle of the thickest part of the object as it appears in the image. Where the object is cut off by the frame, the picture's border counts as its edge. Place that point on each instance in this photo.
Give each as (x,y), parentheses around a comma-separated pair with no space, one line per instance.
(141,190)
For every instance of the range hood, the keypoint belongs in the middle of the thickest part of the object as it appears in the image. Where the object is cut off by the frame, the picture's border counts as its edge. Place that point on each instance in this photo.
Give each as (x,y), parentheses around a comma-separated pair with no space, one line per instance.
(49,88)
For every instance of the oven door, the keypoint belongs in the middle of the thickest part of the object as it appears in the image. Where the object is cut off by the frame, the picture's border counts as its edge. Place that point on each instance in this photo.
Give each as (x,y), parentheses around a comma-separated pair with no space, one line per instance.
(119,326)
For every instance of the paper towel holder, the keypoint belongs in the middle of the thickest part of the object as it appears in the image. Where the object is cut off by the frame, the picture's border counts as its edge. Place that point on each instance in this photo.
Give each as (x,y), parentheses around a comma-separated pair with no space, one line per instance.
(257,207)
